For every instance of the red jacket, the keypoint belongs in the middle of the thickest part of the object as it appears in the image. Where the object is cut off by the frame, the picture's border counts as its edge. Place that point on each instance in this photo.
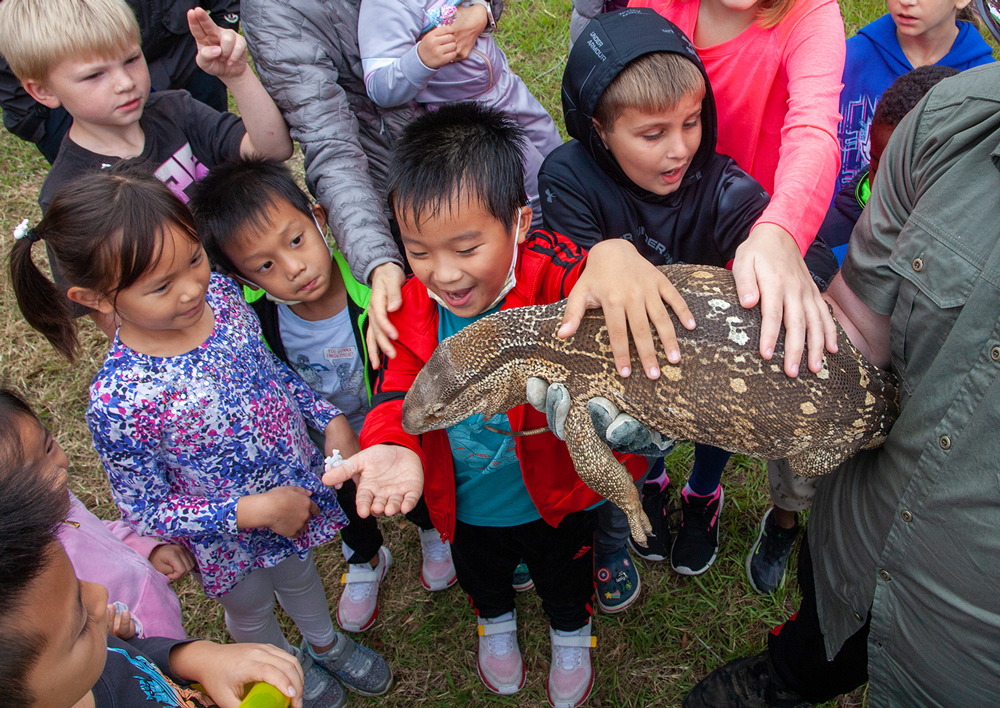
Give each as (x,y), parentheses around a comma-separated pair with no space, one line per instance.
(548,265)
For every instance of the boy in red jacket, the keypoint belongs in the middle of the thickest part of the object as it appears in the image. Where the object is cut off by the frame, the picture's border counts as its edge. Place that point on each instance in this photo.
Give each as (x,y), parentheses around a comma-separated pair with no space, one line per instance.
(457,191)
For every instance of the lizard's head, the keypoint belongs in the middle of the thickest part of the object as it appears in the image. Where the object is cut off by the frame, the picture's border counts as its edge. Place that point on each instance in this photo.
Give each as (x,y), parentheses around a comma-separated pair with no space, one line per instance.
(479,370)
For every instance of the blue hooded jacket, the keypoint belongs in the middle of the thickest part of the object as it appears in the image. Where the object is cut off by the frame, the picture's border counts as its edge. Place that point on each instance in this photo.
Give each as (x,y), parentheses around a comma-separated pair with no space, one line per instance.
(874,61)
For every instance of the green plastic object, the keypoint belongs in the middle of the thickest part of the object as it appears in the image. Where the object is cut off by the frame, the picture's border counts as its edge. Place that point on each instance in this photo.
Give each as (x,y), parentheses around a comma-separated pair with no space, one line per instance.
(264,695)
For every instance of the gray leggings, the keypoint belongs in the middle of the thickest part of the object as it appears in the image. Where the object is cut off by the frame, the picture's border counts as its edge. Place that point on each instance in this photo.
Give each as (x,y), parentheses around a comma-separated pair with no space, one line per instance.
(250,605)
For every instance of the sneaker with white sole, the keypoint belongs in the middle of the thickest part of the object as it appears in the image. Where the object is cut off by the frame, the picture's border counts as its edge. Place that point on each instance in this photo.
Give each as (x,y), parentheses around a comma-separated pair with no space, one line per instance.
(500,664)
(522,578)
(320,689)
(357,667)
(438,570)
(571,676)
(358,605)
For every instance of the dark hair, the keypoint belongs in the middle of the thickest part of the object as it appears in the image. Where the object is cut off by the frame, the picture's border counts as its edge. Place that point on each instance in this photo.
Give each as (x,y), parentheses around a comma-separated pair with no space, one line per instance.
(906,92)
(104,230)
(238,195)
(12,406)
(459,146)
(30,512)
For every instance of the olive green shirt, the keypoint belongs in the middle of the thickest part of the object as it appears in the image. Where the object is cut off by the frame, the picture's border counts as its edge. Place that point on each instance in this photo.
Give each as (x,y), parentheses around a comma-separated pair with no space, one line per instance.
(912,530)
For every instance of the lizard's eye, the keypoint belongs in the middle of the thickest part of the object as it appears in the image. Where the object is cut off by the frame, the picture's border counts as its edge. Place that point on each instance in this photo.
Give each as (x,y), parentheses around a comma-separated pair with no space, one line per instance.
(437,409)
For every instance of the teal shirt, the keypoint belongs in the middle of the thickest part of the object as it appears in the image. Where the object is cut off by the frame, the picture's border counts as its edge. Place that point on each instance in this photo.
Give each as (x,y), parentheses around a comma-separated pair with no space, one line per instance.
(489,488)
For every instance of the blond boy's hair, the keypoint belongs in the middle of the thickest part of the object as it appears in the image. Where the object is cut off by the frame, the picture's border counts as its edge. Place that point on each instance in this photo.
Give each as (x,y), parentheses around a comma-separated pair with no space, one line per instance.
(35,35)
(653,82)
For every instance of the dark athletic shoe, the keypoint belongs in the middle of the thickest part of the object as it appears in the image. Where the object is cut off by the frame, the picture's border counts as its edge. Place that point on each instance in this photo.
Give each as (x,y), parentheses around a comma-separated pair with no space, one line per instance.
(769,555)
(654,503)
(744,683)
(697,542)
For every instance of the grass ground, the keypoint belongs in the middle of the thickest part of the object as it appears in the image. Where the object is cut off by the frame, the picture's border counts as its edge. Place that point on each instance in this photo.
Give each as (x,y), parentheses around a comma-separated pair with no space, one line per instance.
(650,656)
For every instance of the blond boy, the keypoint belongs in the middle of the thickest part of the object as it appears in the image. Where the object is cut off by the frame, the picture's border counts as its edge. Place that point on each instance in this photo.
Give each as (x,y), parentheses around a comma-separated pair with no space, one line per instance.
(85,56)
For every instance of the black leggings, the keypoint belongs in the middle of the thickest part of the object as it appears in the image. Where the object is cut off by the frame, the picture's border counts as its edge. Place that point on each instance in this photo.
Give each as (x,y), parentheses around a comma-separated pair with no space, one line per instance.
(560,560)
(363,535)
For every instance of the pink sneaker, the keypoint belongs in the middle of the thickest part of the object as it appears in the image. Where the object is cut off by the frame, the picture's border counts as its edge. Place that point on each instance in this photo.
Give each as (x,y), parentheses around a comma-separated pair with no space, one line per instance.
(571,676)
(358,606)
(438,570)
(500,664)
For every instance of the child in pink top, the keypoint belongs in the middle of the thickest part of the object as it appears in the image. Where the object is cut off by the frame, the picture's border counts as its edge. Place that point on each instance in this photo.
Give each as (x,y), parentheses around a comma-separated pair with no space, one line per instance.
(775,70)
(135,569)
(775,67)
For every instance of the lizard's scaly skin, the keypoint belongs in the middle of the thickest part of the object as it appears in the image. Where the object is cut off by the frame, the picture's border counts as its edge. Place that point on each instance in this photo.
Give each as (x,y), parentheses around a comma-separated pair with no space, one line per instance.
(722,392)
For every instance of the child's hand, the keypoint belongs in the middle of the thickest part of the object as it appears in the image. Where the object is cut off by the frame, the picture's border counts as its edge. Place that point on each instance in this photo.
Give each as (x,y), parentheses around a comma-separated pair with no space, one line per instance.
(438,47)
(173,561)
(637,300)
(284,510)
(387,296)
(340,436)
(470,22)
(122,624)
(390,479)
(221,52)
(769,269)
(224,669)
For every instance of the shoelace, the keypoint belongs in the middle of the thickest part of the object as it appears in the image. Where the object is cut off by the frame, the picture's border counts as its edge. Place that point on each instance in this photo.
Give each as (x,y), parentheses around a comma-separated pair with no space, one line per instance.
(357,592)
(434,548)
(567,658)
(358,663)
(779,543)
(701,515)
(500,644)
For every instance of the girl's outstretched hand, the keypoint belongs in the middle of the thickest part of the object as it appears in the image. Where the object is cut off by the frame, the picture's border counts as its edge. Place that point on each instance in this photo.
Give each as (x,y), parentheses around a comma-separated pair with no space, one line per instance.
(769,269)
(172,561)
(221,52)
(389,478)
(224,669)
(632,293)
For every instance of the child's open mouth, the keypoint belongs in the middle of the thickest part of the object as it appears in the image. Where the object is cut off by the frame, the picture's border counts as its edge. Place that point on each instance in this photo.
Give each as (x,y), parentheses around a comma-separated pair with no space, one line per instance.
(672,176)
(457,298)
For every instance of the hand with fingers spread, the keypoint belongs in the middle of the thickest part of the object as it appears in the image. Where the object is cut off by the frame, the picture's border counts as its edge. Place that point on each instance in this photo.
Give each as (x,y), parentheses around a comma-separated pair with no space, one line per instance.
(629,304)
(387,296)
(389,478)
(172,561)
(769,269)
(438,47)
(284,510)
(224,669)
(221,52)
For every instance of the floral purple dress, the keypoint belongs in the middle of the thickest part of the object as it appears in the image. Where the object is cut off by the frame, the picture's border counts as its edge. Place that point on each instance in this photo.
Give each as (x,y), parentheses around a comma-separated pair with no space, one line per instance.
(182,438)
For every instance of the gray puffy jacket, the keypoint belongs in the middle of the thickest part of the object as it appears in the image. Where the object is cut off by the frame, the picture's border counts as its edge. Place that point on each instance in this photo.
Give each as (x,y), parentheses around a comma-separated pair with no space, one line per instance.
(306,52)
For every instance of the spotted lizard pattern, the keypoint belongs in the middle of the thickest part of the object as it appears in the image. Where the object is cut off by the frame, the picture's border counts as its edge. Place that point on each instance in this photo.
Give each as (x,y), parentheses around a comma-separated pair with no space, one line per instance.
(722,392)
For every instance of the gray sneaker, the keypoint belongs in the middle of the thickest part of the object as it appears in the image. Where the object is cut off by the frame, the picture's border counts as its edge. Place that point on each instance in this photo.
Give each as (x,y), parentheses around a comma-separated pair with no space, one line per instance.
(359,668)
(769,555)
(321,690)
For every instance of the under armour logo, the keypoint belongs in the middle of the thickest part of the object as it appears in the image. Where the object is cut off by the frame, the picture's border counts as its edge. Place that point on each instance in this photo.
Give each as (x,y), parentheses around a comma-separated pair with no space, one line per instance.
(550,195)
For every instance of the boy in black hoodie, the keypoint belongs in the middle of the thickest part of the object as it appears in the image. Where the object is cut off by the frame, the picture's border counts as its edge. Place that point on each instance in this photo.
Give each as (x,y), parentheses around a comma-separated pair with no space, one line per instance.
(642,166)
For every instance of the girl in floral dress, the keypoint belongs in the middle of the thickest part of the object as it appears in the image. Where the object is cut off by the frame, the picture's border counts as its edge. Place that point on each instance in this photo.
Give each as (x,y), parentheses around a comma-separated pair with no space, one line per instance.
(201,429)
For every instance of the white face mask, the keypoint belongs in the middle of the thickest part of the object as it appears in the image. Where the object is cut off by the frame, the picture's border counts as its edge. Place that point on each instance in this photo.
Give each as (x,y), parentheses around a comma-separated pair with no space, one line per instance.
(271,297)
(508,284)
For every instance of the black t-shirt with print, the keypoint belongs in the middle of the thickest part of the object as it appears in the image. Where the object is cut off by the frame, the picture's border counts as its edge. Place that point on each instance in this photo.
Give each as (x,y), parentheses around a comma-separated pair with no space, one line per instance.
(184,139)
(137,674)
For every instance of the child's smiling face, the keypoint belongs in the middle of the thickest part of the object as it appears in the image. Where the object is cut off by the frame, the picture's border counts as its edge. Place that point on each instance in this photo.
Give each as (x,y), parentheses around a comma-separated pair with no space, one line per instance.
(462,253)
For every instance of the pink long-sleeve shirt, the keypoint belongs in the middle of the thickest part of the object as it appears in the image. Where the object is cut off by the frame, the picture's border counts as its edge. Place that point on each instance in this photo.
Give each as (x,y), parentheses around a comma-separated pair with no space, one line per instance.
(111,554)
(777,91)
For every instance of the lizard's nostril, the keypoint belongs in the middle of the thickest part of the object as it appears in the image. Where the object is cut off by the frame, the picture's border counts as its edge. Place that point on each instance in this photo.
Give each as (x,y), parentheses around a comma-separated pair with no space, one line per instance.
(437,408)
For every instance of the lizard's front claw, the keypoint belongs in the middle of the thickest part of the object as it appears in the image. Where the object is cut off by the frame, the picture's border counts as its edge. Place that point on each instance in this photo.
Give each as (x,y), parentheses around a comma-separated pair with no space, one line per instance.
(640,527)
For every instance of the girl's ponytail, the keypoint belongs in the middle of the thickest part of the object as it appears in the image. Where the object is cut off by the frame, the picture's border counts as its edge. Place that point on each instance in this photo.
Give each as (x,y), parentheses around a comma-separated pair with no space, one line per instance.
(43,306)
(102,231)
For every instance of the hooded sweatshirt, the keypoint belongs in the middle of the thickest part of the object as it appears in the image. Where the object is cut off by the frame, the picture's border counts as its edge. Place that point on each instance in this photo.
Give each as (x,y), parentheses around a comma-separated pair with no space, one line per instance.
(874,61)
(587,196)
